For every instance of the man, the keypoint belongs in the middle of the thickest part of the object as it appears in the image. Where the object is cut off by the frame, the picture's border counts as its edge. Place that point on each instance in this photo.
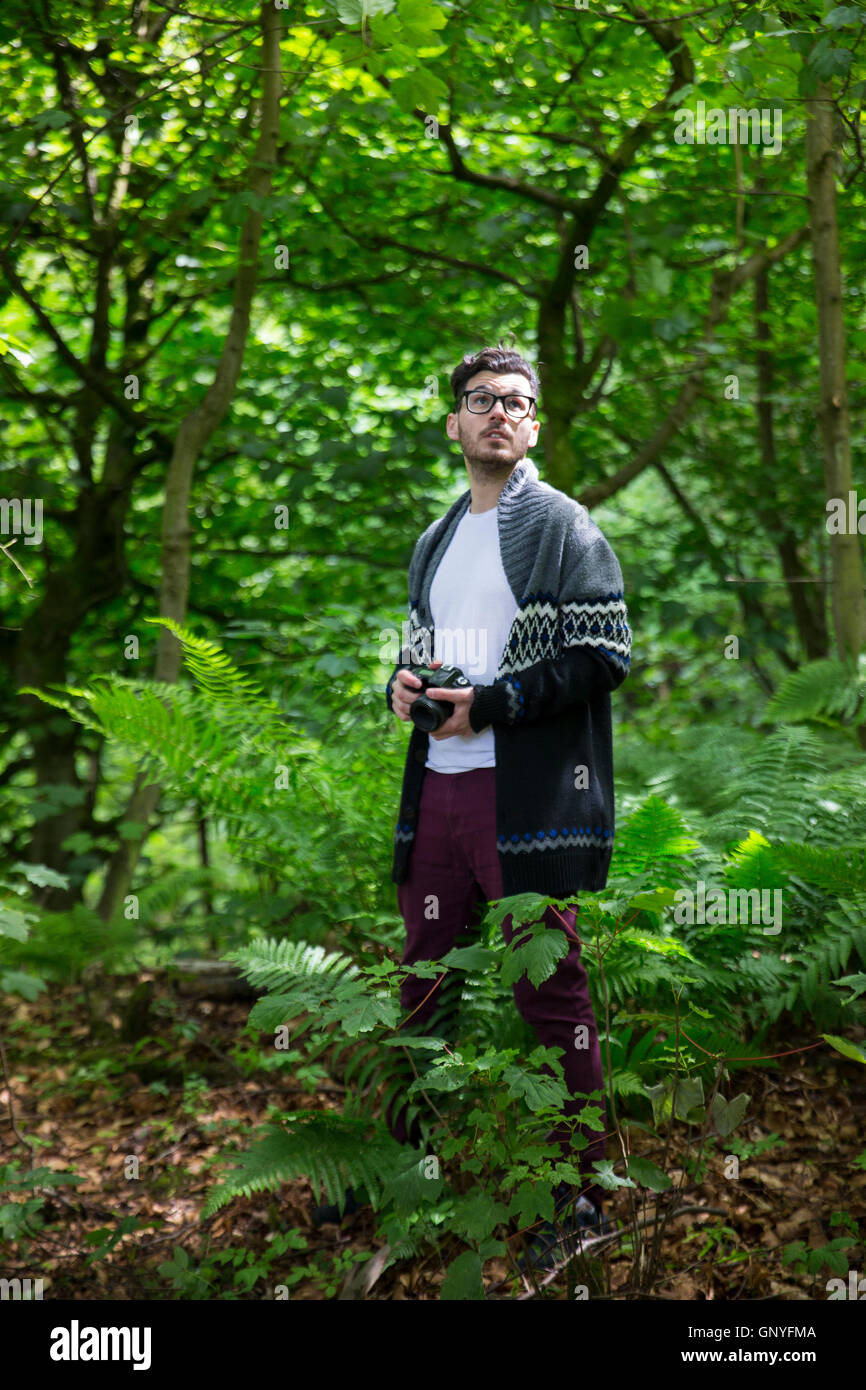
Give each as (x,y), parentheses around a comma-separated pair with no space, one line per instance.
(514,793)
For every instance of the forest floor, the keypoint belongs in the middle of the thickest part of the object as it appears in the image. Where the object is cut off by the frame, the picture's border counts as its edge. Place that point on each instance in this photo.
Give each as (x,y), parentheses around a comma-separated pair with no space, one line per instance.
(166,1110)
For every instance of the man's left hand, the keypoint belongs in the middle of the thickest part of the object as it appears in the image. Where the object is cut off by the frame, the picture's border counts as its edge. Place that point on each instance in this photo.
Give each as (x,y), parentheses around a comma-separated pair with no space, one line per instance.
(458,723)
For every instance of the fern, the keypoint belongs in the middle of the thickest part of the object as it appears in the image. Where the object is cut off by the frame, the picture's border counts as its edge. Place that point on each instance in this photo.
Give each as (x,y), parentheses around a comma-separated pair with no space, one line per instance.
(654,834)
(839,871)
(332,1152)
(218,677)
(829,687)
(275,964)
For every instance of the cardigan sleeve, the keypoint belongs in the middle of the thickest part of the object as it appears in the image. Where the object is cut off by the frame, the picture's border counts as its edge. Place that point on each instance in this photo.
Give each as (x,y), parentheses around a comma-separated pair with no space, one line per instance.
(588,654)
(405,660)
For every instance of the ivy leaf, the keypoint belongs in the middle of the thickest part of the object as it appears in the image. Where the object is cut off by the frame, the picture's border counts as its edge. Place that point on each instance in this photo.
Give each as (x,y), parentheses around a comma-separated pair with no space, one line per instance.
(463,1281)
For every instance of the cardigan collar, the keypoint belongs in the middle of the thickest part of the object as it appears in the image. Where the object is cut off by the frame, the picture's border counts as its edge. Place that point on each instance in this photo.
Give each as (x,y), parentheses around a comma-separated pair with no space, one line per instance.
(525,472)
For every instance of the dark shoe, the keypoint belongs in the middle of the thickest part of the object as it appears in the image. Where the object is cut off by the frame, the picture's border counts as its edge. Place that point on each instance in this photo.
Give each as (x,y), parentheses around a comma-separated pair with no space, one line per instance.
(577,1222)
(352,1204)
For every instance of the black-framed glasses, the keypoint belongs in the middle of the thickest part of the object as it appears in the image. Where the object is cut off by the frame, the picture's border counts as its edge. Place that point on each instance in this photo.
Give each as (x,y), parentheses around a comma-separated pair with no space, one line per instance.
(481,403)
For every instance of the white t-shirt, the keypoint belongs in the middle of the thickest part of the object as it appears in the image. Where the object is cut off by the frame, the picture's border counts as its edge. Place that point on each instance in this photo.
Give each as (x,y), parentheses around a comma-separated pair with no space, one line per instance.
(472,608)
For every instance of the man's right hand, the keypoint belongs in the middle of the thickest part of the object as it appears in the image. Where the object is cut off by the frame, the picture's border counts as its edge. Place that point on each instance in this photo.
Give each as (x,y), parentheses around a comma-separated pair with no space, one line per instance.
(405,691)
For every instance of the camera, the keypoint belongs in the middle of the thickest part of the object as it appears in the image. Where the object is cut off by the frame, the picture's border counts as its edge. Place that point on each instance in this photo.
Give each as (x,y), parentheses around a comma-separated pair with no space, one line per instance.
(429,715)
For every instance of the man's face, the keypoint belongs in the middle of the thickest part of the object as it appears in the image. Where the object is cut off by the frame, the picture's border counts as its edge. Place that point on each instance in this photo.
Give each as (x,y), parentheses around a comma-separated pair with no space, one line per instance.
(493,443)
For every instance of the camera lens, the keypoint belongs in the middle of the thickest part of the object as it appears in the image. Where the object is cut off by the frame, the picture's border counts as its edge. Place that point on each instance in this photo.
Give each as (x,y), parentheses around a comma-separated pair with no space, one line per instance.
(427,715)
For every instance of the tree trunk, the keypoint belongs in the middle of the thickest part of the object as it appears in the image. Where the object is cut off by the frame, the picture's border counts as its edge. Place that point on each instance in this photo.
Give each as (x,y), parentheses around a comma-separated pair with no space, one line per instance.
(848,603)
(808,610)
(195,431)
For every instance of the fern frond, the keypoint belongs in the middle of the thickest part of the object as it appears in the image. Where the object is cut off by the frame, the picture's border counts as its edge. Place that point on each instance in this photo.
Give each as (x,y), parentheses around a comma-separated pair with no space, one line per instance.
(216,674)
(275,964)
(330,1151)
(829,687)
(653,834)
(839,871)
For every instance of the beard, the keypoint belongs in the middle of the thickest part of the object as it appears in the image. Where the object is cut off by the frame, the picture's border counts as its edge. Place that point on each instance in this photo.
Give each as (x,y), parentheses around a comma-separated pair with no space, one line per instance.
(491,459)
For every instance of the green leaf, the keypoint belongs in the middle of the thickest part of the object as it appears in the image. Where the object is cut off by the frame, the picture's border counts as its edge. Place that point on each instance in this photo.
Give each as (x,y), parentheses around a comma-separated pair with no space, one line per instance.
(537,959)
(531,1201)
(17,982)
(42,876)
(477,1215)
(51,120)
(354,11)
(419,89)
(411,1189)
(655,900)
(728,1114)
(689,1096)
(416,26)
(463,1281)
(361,1014)
(826,61)
(409,1040)
(856,983)
(607,1178)
(537,1091)
(845,14)
(470,958)
(847,1049)
(654,277)
(646,1174)
(14,923)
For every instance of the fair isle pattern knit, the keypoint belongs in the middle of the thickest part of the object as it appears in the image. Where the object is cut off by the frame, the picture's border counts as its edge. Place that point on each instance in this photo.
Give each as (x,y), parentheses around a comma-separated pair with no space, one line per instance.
(569,647)
(543,629)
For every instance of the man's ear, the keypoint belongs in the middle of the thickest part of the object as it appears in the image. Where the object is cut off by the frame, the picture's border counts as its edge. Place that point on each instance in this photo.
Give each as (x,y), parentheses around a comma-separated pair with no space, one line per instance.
(451,427)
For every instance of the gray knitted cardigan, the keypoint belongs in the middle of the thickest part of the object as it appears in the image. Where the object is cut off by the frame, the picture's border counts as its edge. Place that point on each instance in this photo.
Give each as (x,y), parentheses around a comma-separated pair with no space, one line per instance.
(549,704)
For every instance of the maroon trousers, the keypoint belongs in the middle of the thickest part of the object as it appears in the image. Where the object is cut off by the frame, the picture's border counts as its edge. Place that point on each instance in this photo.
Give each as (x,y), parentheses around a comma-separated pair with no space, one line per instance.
(453,869)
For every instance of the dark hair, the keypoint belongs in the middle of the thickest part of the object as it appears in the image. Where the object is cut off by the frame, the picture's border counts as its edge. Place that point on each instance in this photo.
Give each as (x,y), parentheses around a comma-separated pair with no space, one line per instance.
(492,359)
